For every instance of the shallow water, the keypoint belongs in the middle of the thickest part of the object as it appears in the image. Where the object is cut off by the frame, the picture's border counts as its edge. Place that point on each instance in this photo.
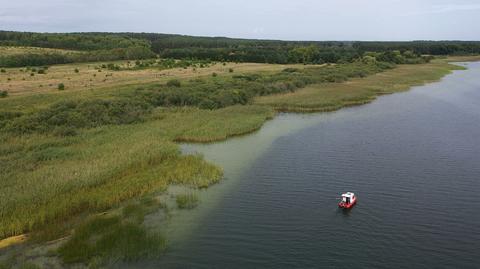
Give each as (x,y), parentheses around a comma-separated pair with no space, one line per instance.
(412,158)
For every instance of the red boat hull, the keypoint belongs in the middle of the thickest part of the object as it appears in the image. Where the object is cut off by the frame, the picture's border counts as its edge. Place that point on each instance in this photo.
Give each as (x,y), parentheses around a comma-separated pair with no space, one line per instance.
(349,205)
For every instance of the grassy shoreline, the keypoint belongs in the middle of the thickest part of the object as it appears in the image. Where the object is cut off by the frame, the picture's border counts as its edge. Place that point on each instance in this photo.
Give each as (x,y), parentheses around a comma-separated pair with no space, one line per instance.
(359,91)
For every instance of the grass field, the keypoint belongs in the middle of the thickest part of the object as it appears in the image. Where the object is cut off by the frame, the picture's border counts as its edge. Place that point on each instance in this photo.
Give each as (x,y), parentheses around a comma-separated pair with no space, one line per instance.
(333,96)
(8,51)
(19,81)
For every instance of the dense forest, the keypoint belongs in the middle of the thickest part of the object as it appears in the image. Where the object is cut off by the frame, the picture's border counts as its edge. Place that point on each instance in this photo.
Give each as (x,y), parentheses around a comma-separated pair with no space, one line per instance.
(131,46)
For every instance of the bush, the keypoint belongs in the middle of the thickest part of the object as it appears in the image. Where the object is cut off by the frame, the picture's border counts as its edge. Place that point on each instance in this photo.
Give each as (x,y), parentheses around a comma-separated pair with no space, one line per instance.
(76,70)
(61,87)
(71,115)
(214,74)
(113,67)
(3,94)
(3,70)
(65,131)
(230,70)
(290,70)
(174,83)
(41,71)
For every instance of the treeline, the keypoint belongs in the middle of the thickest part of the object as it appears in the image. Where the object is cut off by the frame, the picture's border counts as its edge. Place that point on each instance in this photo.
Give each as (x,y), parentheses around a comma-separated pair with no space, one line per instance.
(277,51)
(422,47)
(89,47)
(277,55)
(248,50)
(51,58)
(116,46)
(72,41)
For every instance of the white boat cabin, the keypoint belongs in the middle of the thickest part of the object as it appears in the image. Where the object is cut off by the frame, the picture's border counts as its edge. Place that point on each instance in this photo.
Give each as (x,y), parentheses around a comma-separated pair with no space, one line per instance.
(348,197)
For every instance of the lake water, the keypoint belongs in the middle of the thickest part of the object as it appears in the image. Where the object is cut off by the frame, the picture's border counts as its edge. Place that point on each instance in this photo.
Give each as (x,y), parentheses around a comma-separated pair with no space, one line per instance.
(412,158)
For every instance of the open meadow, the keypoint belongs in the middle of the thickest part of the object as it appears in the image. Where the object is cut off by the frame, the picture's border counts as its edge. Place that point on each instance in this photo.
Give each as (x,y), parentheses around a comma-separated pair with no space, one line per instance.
(15,50)
(92,77)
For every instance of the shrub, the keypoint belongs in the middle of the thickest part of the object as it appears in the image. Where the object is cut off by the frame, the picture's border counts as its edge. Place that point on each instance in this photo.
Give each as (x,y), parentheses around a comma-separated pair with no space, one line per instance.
(65,131)
(3,94)
(214,74)
(3,70)
(113,67)
(230,70)
(79,114)
(76,70)
(174,83)
(290,70)
(61,87)
(41,71)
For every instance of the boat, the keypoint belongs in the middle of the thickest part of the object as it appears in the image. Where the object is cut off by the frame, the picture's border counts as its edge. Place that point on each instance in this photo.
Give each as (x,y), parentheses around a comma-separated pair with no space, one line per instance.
(348,200)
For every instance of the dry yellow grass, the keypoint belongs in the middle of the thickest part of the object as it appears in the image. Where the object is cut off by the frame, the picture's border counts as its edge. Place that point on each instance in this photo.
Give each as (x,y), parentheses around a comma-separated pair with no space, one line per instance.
(18,81)
(471,58)
(13,240)
(6,51)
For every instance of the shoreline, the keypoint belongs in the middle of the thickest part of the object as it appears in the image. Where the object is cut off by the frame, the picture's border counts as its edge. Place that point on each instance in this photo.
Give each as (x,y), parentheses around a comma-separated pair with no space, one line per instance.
(345,104)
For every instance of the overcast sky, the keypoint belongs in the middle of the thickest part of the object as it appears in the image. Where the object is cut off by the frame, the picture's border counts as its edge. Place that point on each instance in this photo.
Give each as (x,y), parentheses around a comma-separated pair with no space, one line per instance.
(272,19)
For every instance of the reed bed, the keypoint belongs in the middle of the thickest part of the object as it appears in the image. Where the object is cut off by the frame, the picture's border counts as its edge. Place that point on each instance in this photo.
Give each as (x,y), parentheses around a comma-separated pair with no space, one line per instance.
(48,179)
(333,96)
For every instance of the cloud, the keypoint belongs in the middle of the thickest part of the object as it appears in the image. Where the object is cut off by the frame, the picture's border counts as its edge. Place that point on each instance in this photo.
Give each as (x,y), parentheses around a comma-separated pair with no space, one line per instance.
(447,8)
(270,19)
(18,19)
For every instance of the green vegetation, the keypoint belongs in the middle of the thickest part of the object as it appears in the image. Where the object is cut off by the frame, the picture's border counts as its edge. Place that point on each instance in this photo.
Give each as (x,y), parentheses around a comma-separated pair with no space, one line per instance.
(73,41)
(51,58)
(207,94)
(174,83)
(82,47)
(69,154)
(169,63)
(187,201)
(47,179)
(240,89)
(423,47)
(328,97)
(89,154)
(113,237)
(90,47)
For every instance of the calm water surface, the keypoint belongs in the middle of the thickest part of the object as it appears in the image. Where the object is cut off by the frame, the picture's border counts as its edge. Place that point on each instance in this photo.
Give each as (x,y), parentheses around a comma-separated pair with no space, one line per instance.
(412,158)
